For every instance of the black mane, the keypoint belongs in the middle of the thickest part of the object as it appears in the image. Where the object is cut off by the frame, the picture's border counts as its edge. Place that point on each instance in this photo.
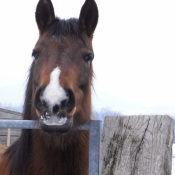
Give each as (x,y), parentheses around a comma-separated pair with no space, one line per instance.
(18,153)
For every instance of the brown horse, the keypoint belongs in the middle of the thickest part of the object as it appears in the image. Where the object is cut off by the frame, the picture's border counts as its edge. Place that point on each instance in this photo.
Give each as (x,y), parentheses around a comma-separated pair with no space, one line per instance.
(58,95)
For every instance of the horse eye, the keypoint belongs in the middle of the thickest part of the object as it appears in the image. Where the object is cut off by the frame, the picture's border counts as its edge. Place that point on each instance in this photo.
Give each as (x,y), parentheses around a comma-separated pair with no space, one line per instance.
(35,54)
(88,58)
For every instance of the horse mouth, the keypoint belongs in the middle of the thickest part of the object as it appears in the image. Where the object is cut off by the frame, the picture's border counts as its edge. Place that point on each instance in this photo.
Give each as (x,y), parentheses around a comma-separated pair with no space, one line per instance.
(60,123)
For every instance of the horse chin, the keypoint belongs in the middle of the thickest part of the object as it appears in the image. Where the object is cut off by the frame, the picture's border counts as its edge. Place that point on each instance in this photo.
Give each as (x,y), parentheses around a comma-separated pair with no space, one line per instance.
(55,124)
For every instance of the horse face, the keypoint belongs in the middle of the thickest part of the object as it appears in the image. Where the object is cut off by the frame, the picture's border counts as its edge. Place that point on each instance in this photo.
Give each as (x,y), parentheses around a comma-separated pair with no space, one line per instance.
(62,67)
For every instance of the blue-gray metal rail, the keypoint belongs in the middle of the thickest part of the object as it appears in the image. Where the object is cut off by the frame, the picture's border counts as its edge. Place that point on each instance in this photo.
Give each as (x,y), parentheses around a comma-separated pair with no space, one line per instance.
(94,126)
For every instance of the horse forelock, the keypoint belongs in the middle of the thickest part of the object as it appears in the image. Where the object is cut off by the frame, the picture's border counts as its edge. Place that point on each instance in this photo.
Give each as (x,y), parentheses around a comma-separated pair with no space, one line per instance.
(66,27)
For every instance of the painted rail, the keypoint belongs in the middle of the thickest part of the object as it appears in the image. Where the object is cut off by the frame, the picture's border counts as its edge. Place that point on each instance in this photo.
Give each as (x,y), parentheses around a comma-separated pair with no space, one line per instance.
(94,126)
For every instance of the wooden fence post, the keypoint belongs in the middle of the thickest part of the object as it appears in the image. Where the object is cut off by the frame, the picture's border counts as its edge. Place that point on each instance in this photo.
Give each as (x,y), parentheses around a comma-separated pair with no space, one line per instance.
(137,145)
(8,136)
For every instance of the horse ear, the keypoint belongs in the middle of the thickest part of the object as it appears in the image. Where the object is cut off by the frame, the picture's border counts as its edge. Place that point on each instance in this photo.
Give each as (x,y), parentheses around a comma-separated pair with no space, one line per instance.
(89,17)
(45,15)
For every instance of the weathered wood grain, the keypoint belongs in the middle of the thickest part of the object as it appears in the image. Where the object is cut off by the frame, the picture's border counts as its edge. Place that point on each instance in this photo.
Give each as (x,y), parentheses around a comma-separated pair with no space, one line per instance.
(137,145)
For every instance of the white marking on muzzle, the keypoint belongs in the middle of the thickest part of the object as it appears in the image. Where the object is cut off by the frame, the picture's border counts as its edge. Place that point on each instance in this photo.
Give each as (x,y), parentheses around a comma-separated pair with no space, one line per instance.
(54,93)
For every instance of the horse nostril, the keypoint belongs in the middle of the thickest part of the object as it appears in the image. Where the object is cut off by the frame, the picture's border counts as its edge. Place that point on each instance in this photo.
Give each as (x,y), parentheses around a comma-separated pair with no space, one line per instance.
(71,99)
(38,103)
(55,109)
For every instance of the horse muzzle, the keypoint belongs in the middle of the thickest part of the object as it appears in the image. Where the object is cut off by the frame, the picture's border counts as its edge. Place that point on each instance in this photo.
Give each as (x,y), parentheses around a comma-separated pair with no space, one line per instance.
(55,114)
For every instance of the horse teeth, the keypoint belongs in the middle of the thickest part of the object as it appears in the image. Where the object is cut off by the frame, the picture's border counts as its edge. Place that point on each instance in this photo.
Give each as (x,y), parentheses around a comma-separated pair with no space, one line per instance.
(63,120)
(54,120)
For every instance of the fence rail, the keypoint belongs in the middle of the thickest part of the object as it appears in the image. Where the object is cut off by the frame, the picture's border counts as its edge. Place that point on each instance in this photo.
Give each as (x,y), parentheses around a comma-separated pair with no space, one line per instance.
(94,126)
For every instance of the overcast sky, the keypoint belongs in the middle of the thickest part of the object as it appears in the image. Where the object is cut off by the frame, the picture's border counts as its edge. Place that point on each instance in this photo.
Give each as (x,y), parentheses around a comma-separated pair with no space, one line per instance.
(134,46)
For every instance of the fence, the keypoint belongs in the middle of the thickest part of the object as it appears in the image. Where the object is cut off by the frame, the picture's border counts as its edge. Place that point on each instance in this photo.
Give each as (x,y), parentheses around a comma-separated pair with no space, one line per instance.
(94,126)
(130,144)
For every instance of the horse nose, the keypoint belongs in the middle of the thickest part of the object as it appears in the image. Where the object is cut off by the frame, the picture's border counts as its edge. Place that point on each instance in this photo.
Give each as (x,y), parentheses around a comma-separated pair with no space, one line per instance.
(45,103)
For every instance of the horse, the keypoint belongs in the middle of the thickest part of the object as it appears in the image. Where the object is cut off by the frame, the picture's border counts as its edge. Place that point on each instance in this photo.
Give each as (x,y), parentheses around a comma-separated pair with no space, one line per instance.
(58,95)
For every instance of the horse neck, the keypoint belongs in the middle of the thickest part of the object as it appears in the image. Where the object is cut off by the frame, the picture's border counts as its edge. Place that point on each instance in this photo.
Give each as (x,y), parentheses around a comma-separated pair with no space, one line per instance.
(60,155)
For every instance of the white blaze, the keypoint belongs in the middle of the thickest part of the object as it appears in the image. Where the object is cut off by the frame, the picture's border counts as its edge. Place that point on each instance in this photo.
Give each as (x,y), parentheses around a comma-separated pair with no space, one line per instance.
(54,93)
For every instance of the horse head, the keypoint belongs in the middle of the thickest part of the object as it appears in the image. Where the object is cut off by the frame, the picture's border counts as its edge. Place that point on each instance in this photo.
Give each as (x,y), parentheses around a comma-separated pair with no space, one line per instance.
(62,68)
